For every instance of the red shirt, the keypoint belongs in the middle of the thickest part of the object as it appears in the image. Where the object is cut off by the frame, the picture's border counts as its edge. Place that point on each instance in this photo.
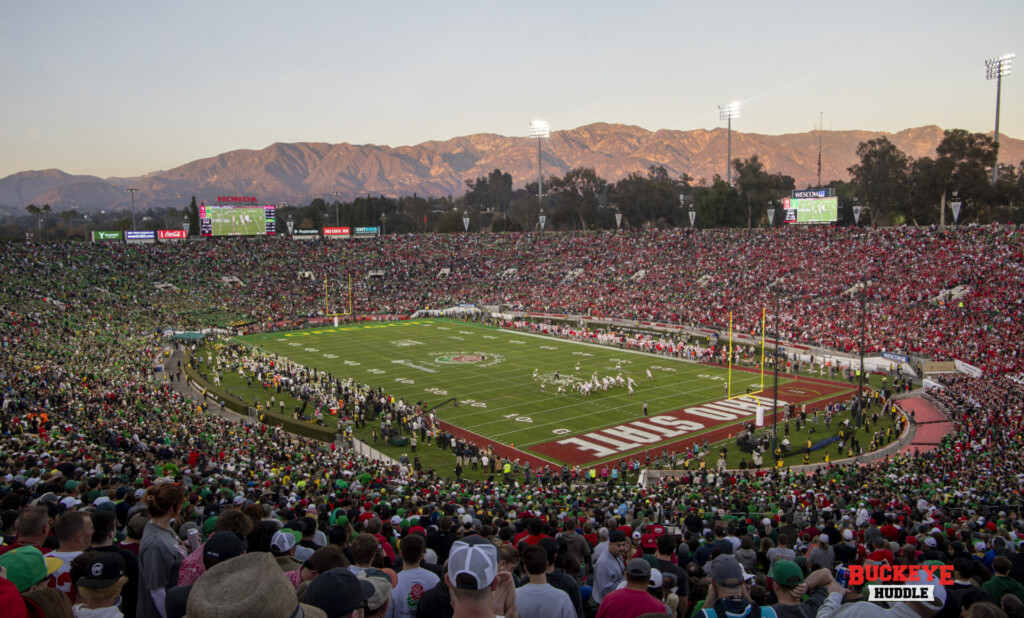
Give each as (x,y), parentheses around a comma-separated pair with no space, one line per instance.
(628,603)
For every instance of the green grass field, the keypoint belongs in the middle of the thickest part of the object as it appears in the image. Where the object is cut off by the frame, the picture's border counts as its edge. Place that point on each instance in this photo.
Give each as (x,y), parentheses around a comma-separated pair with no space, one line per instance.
(491,372)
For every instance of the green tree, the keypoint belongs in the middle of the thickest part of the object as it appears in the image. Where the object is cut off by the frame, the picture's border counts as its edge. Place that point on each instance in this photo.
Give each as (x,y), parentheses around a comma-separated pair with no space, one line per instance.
(882,178)
(577,195)
(757,188)
(493,192)
(193,216)
(35,211)
(717,205)
(963,164)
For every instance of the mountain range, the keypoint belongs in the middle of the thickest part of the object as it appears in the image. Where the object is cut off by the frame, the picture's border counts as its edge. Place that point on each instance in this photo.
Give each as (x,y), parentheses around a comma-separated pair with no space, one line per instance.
(299,172)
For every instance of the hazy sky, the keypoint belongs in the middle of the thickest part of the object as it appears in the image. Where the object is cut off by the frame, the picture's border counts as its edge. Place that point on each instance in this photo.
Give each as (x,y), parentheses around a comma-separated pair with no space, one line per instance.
(125,88)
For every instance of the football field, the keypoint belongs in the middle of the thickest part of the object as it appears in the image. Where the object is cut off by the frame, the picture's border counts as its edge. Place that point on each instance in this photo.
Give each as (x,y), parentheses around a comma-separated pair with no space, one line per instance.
(516,388)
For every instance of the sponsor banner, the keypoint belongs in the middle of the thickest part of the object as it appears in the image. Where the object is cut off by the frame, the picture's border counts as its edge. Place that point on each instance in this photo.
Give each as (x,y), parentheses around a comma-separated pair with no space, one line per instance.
(813,193)
(896,357)
(337,232)
(139,235)
(101,236)
(236,199)
(970,370)
(299,231)
(171,234)
(367,232)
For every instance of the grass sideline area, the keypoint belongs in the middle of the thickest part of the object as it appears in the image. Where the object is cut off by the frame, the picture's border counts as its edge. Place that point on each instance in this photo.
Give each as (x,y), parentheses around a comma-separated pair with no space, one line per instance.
(379,354)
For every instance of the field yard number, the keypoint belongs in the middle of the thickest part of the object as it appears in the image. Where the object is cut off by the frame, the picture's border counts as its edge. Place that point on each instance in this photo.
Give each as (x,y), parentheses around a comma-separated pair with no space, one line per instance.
(662,368)
(443,328)
(375,371)
(404,381)
(295,344)
(622,360)
(489,337)
(704,375)
(281,339)
(311,349)
(516,341)
(547,347)
(794,391)
(473,403)
(435,390)
(582,354)
(465,332)
(519,419)
(330,356)
(351,363)
(560,432)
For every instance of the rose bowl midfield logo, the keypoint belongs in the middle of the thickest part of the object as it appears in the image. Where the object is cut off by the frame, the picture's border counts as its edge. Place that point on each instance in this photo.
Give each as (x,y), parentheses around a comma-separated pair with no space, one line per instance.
(478,359)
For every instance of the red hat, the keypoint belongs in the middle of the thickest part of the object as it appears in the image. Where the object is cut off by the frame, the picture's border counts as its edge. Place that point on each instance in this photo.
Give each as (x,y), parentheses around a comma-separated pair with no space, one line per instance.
(657,530)
(911,540)
(649,541)
(418,529)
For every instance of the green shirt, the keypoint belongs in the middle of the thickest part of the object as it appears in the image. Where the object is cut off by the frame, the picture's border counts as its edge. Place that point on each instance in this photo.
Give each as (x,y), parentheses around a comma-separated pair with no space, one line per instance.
(1000,586)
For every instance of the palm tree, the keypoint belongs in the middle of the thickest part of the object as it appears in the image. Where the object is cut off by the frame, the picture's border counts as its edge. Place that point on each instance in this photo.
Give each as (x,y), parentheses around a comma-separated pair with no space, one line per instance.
(34,211)
(47,209)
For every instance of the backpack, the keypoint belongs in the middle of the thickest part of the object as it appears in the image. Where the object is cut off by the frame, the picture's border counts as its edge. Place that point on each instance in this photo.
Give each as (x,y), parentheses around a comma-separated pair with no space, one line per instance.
(755,611)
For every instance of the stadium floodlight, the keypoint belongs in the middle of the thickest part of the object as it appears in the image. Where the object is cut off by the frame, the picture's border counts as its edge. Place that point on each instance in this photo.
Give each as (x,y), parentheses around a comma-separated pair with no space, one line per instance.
(997,69)
(539,129)
(336,194)
(133,192)
(728,112)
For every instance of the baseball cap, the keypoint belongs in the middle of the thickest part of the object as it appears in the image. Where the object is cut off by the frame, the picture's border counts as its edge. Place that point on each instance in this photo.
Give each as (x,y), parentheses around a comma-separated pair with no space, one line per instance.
(786,573)
(847,535)
(339,592)
(930,541)
(282,541)
(638,568)
(980,546)
(921,578)
(467,519)
(649,541)
(725,571)
(224,545)
(656,579)
(70,502)
(381,583)
(476,557)
(26,566)
(105,569)
(823,538)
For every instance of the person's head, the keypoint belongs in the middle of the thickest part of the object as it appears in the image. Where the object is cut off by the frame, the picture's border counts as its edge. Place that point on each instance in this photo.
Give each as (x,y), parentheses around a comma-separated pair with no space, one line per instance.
(164,500)
(783,540)
(509,558)
(472,572)
(53,602)
(1012,605)
(535,559)
(666,545)
(412,548)
(638,574)
(618,544)
(136,525)
(261,536)
(726,576)
(283,543)
(1001,565)
(234,520)
(376,603)
(74,531)
(323,560)
(983,610)
(27,568)
(254,585)
(33,525)
(104,529)
(103,577)
(786,576)
(222,546)
(364,548)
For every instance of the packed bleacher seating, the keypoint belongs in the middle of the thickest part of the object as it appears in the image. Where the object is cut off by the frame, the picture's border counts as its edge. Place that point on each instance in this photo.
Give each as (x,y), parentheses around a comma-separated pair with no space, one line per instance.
(87,430)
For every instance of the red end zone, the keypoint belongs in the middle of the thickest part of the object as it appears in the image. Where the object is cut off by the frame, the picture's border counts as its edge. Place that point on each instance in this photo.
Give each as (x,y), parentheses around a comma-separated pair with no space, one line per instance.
(676,429)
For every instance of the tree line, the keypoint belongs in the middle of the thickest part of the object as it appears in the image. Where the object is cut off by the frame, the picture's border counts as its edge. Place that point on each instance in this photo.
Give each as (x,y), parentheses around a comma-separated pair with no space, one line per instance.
(886,185)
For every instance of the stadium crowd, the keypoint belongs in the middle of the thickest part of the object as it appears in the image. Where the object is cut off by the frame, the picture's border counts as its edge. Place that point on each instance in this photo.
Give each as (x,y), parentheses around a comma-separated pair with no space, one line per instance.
(119,495)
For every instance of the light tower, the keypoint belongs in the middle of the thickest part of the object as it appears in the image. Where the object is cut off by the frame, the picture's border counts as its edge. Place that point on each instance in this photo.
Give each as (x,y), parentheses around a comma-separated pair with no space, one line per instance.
(539,129)
(996,69)
(728,112)
(133,192)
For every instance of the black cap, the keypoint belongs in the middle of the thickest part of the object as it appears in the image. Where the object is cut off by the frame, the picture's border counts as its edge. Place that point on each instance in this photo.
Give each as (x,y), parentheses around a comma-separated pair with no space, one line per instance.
(102,571)
(616,536)
(338,592)
(224,545)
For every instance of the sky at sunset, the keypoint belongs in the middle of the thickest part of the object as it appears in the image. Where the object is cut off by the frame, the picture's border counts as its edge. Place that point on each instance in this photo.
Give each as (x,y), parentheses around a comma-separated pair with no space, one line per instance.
(126,88)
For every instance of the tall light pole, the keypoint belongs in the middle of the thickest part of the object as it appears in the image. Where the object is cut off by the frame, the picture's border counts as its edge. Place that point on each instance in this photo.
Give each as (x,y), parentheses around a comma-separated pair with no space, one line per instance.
(133,192)
(728,112)
(996,69)
(336,194)
(539,129)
